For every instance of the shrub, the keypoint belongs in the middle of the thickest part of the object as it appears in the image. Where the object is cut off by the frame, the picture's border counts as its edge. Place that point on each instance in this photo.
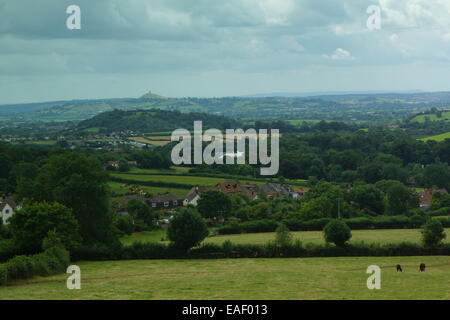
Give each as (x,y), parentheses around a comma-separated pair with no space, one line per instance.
(20,267)
(283,236)
(7,249)
(230,228)
(432,233)
(360,223)
(51,261)
(416,221)
(124,224)
(338,232)
(445,211)
(259,226)
(3,274)
(444,220)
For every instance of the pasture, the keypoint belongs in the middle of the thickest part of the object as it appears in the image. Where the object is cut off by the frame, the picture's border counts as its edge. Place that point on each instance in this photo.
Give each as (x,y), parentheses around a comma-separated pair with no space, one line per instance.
(368,236)
(290,279)
(119,189)
(432,117)
(437,138)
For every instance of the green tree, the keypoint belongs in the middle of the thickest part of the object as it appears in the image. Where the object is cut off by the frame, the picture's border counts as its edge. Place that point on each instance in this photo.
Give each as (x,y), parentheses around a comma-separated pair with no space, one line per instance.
(338,232)
(123,165)
(437,174)
(432,233)
(368,198)
(145,217)
(32,224)
(214,204)
(399,199)
(124,224)
(187,229)
(283,235)
(79,183)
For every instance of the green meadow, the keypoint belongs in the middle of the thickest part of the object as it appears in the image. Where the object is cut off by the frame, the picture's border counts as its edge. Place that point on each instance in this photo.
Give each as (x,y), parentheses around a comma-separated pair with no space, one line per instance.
(290,279)
(118,189)
(316,237)
(438,138)
(432,117)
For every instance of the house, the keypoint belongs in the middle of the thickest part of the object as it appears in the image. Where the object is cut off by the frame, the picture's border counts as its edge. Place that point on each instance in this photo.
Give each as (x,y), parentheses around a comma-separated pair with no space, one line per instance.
(165,202)
(194,195)
(7,209)
(113,164)
(426,197)
(227,187)
(277,190)
(251,191)
(298,193)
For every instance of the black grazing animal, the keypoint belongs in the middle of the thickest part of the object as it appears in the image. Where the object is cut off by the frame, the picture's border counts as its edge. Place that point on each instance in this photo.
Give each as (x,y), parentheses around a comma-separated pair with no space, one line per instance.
(399,268)
(422,267)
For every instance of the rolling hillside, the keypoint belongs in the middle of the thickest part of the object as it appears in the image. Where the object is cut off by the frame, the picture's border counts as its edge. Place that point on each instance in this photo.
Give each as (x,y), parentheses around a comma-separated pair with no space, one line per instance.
(151,121)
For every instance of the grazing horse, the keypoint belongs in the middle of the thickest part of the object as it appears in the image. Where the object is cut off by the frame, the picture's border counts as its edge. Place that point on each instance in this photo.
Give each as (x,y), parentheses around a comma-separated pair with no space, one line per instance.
(399,268)
(422,267)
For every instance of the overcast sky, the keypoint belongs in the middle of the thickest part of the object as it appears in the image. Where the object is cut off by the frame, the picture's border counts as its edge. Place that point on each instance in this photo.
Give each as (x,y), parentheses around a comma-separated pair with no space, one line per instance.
(211,48)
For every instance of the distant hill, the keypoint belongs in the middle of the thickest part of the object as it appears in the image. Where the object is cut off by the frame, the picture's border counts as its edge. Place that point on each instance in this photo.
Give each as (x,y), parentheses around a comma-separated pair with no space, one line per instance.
(325,93)
(350,107)
(147,121)
(151,95)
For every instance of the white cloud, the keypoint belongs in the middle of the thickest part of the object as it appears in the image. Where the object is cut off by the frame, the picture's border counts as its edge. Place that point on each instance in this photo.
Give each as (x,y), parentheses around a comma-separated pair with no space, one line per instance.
(340,54)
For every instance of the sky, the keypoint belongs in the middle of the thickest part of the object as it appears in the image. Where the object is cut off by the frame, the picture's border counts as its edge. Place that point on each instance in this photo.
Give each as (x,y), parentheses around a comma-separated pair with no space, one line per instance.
(217,48)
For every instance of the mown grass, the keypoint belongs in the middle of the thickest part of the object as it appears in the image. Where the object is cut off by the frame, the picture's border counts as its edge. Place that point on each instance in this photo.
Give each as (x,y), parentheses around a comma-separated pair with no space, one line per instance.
(290,279)
(368,236)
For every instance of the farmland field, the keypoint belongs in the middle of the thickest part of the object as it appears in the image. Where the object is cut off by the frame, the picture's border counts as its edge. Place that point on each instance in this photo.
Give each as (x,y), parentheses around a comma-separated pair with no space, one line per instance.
(438,138)
(368,236)
(194,180)
(119,189)
(290,279)
(432,117)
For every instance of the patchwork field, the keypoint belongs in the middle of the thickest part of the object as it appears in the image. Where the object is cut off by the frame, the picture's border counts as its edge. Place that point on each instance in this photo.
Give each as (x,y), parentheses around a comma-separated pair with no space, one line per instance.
(290,279)
(368,236)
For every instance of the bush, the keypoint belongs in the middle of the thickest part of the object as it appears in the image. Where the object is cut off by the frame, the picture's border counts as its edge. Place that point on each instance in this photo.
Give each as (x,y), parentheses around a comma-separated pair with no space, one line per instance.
(445,211)
(124,224)
(283,237)
(259,226)
(416,221)
(360,223)
(187,229)
(338,232)
(432,233)
(51,261)
(8,249)
(445,221)
(230,228)
(394,222)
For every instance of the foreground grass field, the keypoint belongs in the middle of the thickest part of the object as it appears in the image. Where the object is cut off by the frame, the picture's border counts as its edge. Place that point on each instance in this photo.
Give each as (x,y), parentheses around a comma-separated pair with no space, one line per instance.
(369,236)
(292,279)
